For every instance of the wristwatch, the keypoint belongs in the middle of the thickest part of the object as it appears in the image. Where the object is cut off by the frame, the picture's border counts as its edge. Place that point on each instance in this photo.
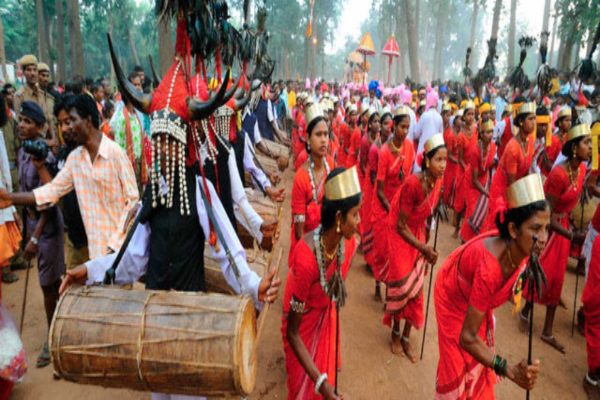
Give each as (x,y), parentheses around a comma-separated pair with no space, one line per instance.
(34,240)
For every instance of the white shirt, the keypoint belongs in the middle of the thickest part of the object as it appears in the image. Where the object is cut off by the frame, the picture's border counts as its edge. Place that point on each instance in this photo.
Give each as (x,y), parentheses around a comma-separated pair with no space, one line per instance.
(251,167)
(429,124)
(135,258)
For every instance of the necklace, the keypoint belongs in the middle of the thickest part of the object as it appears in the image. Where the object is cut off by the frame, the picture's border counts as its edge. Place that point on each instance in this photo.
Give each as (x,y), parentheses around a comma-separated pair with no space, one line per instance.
(572,178)
(329,256)
(512,263)
(319,251)
(393,146)
(312,176)
(484,156)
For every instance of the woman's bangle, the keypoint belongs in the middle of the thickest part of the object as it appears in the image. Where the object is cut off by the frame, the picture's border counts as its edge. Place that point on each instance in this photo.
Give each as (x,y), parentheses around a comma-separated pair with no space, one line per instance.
(320,380)
(500,365)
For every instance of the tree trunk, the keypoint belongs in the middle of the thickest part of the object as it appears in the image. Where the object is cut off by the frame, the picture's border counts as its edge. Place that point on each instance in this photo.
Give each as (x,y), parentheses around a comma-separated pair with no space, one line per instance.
(3,53)
(49,43)
(496,20)
(60,42)
(441,17)
(134,52)
(554,29)
(165,46)
(412,41)
(473,23)
(400,20)
(511,34)
(77,66)
(42,49)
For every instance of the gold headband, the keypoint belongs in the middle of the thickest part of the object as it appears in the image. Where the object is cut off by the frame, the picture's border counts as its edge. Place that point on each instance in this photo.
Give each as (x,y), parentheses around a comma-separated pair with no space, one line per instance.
(485,107)
(400,111)
(446,107)
(460,112)
(313,111)
(487,126)
(433,143)
(525,191)
(564,112)
(542,119)
(351,108)
(508,108)
(343,186)
(527,108)
(578,131)
(595,134)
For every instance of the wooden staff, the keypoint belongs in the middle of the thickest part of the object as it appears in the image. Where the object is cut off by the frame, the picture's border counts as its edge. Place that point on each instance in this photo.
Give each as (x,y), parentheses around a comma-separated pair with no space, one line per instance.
(24,298)
(579,264)
(437,225)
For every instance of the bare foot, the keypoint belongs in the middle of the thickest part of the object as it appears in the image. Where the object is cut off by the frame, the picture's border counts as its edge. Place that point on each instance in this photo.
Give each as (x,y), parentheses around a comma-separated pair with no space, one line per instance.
(562,304)
(551,340)
(408,350)
(396,344)
(377,295)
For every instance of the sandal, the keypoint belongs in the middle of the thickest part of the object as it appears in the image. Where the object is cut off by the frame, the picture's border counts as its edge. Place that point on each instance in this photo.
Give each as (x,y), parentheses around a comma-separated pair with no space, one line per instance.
(591,388)
(8,276)
(551,340)
(408,349)
(44,357)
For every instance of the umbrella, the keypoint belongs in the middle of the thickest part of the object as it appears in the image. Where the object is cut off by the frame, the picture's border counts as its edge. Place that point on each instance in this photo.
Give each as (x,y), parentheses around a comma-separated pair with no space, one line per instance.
(366,48)
(355,57)
(392,50)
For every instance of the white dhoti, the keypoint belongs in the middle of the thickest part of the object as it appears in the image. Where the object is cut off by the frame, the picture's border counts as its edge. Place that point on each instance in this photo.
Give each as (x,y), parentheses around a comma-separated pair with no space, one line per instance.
(587,246)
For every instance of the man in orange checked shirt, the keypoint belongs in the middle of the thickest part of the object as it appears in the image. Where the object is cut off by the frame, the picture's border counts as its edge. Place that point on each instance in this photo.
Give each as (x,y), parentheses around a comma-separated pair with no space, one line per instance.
(100,173)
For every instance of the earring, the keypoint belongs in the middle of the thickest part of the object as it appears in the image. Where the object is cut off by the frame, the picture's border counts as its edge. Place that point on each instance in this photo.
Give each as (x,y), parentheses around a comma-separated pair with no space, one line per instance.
(427,163)
(338,230)
(574,152)
(308,148)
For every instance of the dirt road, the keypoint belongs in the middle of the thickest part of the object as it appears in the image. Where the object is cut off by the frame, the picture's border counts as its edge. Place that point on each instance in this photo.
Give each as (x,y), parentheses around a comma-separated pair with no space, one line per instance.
(369,370)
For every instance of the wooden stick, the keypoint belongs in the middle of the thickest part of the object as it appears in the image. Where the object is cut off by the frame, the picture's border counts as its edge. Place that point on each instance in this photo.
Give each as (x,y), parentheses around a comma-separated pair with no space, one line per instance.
(579,264)
(437,225)
(24,298)
(260,323)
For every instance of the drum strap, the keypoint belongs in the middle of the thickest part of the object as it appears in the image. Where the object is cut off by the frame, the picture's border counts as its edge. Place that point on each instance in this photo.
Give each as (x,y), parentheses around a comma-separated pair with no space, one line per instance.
(215,224)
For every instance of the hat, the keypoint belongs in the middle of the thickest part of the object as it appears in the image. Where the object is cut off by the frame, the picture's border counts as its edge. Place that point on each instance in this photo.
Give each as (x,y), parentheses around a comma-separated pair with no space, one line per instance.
(433,143)
(28,59)
(43,67)
(351,108)
(400,111)
(469,105)
(508,108)
(343,185)
(446,107)
(313,112)
(595,135)
(487,126)
(525,191)
(565,111)
(578,131)
(460,112)
(485,107)
(527,108)
(33,111)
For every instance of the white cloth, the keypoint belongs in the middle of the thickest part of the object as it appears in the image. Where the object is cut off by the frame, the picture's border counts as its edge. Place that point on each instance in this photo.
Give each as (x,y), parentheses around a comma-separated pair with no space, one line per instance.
(587,246)
(135,258)
(244,213)
(251,167)
(6,214)
(429,124)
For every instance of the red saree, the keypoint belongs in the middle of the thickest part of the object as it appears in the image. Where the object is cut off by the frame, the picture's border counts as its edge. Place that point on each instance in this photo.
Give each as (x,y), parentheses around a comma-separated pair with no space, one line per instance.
(304,207)
(591,308)
(514,162)
(463,142)
(404,284)
(318,326)
(555,256)
(392,170)
(450,174)
(476,204)
(470,275)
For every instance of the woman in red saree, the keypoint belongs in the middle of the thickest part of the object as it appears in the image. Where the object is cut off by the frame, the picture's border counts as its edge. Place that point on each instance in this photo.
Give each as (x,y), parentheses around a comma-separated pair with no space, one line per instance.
(563,189)
(479,159)
(450,138)
(386,124)
(372,135)
(396,160)
(298,127)
(466,138)
(315,290)
(515,161)
(346,131)
(309,181)
(409,218)
(475,279)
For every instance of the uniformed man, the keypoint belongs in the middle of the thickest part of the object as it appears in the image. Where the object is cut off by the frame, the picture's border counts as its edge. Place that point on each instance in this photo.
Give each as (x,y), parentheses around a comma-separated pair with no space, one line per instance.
(33,92)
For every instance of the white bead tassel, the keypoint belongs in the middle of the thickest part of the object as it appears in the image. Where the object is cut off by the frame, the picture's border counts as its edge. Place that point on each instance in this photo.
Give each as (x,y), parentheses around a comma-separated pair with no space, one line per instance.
(182,181)
(173,175)
(158,158)
(154,176)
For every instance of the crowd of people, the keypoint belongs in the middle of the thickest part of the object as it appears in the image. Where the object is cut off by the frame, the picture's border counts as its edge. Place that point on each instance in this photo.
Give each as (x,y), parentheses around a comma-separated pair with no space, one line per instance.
(376,170)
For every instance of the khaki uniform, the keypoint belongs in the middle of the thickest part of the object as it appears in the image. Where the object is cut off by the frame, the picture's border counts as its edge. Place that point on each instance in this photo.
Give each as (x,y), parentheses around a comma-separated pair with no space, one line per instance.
(11,141)
(44,99)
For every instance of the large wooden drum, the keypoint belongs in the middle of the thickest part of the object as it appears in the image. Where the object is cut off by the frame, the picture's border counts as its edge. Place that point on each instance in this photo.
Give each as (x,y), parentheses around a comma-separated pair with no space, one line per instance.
(160,341)
(277,149)
(215,281)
